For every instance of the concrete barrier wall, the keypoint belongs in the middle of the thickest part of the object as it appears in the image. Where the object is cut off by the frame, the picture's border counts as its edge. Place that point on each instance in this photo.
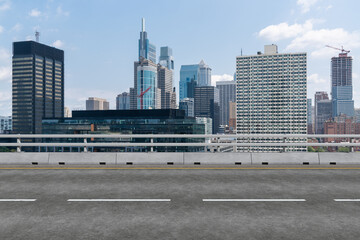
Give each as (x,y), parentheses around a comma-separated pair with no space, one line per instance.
(217,158)
(339,158)
(151,158)
(82,158)
(285,158)
(24,158)
(180,158)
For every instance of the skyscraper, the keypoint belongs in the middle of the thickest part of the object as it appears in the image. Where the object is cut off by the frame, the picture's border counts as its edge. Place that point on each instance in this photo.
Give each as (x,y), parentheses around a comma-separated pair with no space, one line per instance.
(5,124)
(165,84)
(145,94)
(192,76)
(227,93)
(309,116)
(341,85)
(321,116)
(146,49)
(94,103)
(38,85)
(123,101)
(206,104)
(271,96)
(166,58)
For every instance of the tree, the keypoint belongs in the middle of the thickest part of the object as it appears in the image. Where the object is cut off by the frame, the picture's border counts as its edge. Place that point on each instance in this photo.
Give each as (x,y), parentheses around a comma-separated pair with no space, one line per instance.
(311,149)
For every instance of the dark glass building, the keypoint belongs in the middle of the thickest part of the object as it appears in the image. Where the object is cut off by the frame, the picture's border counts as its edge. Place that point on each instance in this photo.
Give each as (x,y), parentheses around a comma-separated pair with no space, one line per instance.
(206,104)
(37,85)
(155,121)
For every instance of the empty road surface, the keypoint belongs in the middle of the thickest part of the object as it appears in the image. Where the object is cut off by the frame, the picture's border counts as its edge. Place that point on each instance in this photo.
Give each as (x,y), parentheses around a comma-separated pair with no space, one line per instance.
(179,203)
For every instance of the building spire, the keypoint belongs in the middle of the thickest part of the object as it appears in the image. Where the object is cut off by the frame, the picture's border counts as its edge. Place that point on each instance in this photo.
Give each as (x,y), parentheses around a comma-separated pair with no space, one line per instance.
(143,24)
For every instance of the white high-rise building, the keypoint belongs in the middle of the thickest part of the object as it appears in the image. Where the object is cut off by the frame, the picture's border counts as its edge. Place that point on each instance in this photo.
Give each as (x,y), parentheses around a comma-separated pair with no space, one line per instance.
(271,96)
(94,103)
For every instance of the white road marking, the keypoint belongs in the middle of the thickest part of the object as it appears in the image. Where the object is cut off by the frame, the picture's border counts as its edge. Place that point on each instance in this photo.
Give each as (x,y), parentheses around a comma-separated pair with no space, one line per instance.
(347,200)
(17,200)
(254,200)
(119,200)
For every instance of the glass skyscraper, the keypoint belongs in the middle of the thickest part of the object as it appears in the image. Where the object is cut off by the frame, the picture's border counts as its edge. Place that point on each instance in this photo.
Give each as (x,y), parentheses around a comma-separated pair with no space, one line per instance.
(191,76)
(146,49)
(341,85)
(146,87)
(166,58)
(38,85)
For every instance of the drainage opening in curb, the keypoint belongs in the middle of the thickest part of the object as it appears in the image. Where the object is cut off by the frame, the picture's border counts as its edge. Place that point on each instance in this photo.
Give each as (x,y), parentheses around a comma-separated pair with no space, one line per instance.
(238,163)
(34,163)
(306,163)
(332,163)
(265,163)
(61,163)
(129,163)
(102,163)
(196,163)
(170,163)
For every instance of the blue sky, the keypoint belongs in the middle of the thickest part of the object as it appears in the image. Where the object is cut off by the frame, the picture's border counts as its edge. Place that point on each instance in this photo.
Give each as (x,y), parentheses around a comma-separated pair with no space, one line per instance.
(100,38)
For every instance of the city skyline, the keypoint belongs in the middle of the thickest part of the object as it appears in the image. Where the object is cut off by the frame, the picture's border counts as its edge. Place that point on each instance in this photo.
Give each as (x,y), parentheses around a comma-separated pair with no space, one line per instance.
(299,26)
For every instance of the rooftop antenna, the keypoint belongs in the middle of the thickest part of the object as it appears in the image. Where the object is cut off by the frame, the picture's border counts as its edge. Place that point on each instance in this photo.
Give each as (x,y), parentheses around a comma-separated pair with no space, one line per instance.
(241,51)
(143,24)
(37,35)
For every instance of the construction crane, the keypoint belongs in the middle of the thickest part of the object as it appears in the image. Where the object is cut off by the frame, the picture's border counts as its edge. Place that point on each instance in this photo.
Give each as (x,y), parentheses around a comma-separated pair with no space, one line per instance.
(141,96)
(340,49)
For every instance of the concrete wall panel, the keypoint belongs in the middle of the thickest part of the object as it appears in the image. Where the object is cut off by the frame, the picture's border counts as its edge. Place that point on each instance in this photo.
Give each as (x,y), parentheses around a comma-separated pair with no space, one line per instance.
(24,158)
(339,158)
(150,158)
(288,158)
(217,158)
(82,158)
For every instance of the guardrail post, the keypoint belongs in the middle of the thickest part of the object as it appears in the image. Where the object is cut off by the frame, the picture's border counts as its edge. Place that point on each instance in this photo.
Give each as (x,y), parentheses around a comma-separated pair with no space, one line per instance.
(217,146)
(152,148)
(351,147)
(18,148)
(235,147)
(85,147)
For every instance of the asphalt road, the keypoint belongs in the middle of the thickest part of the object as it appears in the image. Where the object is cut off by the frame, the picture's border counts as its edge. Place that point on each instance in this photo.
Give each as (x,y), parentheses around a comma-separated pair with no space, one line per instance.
(179,204)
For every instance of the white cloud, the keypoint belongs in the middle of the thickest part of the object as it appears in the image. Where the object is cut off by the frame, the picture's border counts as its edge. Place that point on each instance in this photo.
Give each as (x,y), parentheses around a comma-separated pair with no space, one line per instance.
(5,55)
(58,44)
(17,27)
(217,78)
(34,13)
(315,78)
(315,40)
(5,96)
(284,30)
(306,4)
(61,12)
(4,5)
(5,73)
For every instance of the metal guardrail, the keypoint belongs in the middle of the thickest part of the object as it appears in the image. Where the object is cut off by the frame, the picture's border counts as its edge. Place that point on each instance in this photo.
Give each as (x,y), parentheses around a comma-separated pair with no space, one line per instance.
(210,140)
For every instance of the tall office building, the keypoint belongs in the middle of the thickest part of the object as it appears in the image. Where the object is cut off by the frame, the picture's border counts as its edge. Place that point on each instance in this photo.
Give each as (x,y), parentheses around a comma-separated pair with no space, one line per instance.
(227,93)
(319,121)
(341,85)
(204,74)
(94,103)
(232,115)
(123,101)
(323,114)
(187,104)
(67,112)
(309,116)
(146,49)
(5,124)
(145,94)
(38,85)
(166,58)
(192,76)
(271,96)
(206,104)
(165,84)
